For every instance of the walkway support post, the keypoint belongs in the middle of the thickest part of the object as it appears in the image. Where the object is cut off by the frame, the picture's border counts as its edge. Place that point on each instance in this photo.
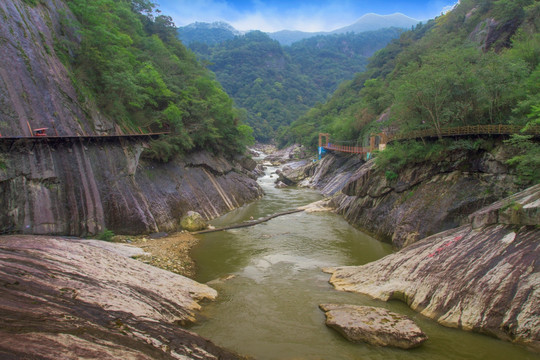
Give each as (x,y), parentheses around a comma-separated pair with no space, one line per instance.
(326,137)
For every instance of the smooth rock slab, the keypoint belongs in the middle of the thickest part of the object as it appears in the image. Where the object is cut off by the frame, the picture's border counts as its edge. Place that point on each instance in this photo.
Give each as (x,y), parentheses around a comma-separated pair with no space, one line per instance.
(376,326)
(71,299)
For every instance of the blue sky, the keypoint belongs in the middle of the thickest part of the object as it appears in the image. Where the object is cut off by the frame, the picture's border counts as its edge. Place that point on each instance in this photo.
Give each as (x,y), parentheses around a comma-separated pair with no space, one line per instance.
(305,15)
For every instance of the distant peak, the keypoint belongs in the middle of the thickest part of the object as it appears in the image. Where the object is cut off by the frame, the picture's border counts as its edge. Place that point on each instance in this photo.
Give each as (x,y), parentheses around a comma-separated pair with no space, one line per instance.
(213,25)
(387,16)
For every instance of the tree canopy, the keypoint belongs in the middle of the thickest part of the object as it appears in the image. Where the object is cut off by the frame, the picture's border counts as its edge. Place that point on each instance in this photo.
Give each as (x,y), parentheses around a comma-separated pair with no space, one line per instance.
(131,64)
(478,64)
(277,84)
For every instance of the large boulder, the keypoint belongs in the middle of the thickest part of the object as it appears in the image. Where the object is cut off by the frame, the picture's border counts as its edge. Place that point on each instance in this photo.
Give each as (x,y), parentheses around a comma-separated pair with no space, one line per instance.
(293,173)
(193,221)
(373,325)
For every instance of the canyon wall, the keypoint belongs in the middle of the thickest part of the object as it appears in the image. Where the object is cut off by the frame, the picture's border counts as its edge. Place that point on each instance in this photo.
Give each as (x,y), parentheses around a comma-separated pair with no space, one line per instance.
(81,187)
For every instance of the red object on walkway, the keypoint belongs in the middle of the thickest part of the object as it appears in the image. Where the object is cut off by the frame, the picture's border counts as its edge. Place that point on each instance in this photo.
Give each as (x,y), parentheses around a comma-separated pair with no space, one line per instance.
(40,132)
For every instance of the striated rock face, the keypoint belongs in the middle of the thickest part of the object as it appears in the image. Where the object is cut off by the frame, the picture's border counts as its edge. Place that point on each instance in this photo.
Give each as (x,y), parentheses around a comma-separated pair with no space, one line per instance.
(481,279)
(35,87)
(329,175)
(376,326)
(80,188)
(73,299)
(426,198)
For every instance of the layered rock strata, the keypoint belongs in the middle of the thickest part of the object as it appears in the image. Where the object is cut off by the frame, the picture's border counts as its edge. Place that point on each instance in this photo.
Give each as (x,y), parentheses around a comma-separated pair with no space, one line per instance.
(80,188)
(424,199)
(70,299)
(484,276)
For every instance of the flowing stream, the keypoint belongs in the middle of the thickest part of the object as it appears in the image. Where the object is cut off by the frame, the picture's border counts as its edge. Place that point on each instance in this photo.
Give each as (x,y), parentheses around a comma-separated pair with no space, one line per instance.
(270,284)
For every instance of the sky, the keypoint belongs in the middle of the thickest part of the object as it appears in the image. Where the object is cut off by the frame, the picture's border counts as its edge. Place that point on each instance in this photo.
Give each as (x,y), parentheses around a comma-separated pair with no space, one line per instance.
(304,15)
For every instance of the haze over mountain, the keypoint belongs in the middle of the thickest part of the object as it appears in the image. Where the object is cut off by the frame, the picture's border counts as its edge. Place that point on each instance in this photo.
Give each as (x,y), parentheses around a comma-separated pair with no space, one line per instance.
(368,22)
(217,32)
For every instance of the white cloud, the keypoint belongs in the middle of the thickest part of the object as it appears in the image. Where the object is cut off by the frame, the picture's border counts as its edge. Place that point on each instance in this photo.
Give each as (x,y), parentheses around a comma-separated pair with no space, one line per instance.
(449,8)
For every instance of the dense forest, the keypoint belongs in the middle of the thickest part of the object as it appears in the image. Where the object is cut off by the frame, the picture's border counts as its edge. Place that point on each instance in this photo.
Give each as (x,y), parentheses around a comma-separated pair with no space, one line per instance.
(131,64)
(478,64)
(277,84)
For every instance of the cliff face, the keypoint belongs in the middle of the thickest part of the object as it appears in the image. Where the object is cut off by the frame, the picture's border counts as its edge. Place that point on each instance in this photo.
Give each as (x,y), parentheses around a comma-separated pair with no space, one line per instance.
(426,198)
(76,187)
(483,276)
(79,189)
(35,88)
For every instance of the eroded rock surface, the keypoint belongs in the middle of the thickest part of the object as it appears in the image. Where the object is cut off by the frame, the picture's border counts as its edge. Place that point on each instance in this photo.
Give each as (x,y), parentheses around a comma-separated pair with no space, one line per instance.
(424,199)
(293,152)
(67,299)
(481,279)
(376,326)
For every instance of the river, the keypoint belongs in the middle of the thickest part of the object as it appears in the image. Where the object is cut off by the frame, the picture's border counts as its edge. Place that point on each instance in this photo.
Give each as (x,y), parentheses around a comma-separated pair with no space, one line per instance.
(270,284)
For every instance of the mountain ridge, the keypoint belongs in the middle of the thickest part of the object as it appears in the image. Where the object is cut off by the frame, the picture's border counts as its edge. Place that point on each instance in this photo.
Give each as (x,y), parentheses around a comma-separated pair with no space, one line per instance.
(219,31)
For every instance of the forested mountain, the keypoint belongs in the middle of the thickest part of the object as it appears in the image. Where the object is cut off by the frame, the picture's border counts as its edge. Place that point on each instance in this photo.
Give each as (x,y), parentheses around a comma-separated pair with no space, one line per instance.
(140,75)
(207,33)
(478,64)
(277,84)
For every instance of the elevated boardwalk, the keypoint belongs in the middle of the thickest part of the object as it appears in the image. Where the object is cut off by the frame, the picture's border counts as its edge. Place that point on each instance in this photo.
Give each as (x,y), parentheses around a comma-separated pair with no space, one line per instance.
(466,131)
(378,141)
(8,143)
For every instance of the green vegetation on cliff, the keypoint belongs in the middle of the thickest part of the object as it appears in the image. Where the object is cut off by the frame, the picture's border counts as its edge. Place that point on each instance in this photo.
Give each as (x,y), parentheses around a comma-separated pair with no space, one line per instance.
(140,75)
(478,64)
(277,84)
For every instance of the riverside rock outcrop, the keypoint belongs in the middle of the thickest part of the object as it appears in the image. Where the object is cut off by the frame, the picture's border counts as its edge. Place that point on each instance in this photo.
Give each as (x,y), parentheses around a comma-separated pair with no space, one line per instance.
(71,299)
(291,153)
(485,279)
(425,198)
(81,187)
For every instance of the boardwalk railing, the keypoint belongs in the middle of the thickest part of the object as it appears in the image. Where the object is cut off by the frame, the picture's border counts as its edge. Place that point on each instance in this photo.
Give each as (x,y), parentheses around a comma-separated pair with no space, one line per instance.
(384,138)
(466,130)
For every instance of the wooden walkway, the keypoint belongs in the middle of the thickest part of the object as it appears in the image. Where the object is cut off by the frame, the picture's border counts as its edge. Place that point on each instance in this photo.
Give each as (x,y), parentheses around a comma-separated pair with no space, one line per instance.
(466,131)
(71,138)
(469,130)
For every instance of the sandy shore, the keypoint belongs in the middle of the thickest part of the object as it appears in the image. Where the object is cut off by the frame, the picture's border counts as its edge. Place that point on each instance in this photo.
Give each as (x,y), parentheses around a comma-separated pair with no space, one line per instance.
(170,253)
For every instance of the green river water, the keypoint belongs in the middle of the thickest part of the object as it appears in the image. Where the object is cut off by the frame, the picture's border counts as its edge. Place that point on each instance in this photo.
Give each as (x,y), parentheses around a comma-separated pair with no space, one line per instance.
(268,306)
